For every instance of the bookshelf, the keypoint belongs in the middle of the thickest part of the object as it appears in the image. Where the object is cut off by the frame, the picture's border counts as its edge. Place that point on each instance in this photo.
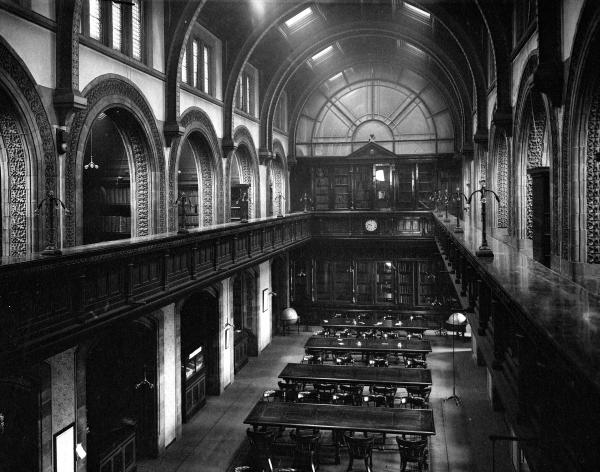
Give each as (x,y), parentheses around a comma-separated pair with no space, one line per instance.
(364,282)
(363,183)
(405,186)
(115,215)
(425,184)
(321,188)
(239,202)
(341,188)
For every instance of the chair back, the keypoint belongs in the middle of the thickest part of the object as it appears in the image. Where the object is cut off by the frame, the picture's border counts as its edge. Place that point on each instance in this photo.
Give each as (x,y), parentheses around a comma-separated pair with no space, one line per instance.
(261,442)
(359,447)
(411,451)
(306,452)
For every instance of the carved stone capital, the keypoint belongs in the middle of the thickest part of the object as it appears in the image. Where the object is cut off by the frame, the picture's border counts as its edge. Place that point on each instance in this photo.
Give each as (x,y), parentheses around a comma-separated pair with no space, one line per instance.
(481,137)
(172,130)
(264,156)
(228,146)
(66,103)
(503,120)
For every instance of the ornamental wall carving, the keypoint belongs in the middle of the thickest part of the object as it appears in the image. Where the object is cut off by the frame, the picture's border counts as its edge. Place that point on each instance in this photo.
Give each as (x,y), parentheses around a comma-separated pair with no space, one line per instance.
(593,182)
(144,141)
(11,137)
(502,178)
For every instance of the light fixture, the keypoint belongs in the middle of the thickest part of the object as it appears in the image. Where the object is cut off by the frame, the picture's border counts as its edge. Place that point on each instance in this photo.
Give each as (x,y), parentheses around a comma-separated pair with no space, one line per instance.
(455,320)
(91,164)
(145,382)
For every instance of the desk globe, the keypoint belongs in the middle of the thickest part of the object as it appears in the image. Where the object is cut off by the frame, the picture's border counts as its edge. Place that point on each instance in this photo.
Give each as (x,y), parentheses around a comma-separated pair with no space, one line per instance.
(288,317)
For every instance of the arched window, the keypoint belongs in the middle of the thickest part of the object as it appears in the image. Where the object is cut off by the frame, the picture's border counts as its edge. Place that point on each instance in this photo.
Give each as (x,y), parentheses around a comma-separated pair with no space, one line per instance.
(120,26)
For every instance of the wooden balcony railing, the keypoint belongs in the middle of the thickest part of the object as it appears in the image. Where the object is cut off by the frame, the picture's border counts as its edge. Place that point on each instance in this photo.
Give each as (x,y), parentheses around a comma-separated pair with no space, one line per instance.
(538,333)
(47,303)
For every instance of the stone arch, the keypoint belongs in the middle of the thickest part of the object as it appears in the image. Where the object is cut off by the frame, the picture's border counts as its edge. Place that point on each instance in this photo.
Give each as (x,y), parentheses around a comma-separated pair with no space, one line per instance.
(199,128)
(577,167)
(247,157)
(146,147)
(532,146)
(27,157)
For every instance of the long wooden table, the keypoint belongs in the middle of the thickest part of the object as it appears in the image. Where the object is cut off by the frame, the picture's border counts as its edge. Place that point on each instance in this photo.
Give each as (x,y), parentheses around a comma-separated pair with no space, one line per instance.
(356,375)
(395,346)
(342,417)
(408,326)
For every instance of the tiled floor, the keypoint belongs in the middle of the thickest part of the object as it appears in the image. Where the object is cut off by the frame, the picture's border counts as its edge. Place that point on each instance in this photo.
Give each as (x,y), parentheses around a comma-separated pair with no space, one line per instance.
(210,440)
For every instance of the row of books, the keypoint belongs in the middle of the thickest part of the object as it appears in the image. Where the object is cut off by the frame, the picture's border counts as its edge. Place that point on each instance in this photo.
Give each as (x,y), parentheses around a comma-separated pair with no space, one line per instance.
(115,224)
(118,195)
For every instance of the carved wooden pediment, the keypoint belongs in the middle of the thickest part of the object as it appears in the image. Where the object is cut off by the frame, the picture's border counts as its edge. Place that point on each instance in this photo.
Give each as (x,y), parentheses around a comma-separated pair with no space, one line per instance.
(371,151)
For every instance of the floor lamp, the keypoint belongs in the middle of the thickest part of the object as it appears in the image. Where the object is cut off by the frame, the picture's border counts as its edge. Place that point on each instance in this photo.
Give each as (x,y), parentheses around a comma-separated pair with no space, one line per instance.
(456,319)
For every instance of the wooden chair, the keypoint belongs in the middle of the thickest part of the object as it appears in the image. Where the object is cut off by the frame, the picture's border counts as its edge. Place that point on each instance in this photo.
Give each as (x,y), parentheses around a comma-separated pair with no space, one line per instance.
(289,391)
(412,451)
(306,452)
(356,392)
(325,392)
(360,448)
(387,392)
(261,442)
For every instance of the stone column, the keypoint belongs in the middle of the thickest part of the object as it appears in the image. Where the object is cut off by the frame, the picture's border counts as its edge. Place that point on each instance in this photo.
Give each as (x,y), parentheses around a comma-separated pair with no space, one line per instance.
(168,376)
(226,334)
(264,323)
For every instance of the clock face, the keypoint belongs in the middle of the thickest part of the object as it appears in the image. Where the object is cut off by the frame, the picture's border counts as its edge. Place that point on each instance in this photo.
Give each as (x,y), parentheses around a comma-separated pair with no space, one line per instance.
(370,225)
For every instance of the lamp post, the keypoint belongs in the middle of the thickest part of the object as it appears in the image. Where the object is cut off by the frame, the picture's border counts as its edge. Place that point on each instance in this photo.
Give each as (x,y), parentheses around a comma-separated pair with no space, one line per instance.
(306,201)
(484,250)
(455,319)
(52,202)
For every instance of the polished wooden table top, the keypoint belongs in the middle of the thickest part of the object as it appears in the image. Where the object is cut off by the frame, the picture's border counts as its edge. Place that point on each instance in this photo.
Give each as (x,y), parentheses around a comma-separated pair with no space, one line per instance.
(411,326)
(344,417)
(397,377)
(319,343)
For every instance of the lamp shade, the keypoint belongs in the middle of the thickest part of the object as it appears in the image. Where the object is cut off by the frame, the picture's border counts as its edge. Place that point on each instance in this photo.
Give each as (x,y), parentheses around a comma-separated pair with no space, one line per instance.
(289,315)
(456,319)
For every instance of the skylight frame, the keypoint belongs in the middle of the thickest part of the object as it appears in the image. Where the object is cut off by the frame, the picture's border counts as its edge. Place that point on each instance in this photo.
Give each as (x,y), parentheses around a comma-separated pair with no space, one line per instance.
(296,20)
(286,28)
(417,12)
(337,76)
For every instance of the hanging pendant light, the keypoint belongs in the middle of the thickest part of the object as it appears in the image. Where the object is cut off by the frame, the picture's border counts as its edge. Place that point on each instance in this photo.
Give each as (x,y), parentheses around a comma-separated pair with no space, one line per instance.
(91,164)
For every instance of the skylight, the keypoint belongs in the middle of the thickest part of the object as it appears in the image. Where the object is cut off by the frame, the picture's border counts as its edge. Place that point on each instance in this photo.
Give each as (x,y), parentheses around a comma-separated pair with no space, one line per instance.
(296,19)
(321,54)
(414,49)
(336,76)
(417,11)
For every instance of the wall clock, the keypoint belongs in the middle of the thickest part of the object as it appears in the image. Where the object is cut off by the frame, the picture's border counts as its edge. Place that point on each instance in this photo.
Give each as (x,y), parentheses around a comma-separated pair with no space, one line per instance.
(371,225)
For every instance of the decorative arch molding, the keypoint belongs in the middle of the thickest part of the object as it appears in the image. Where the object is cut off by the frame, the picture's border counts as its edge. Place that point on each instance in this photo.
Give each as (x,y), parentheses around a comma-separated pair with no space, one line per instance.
(109,92)
(278,178)
(248,159)
(31,152)
(196,122)
(579,96)
(531,125)
(498,174)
